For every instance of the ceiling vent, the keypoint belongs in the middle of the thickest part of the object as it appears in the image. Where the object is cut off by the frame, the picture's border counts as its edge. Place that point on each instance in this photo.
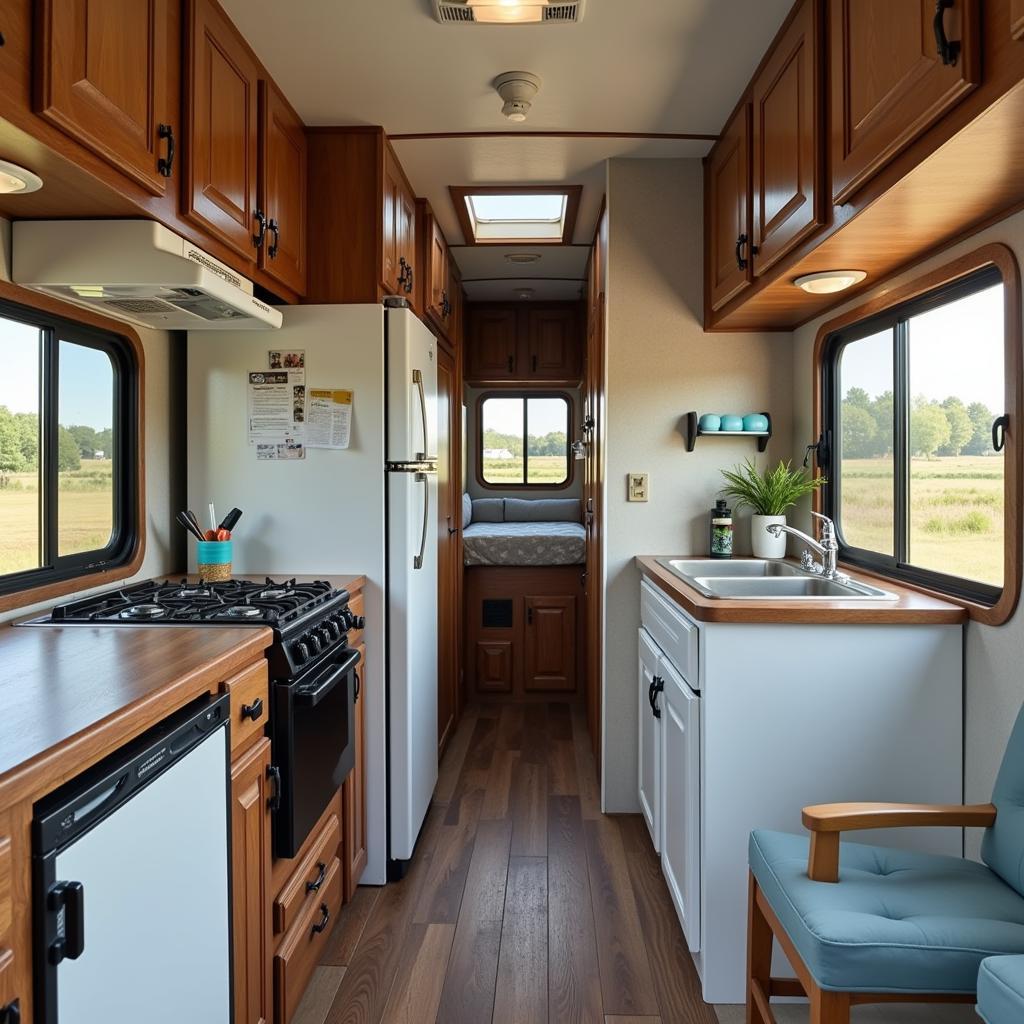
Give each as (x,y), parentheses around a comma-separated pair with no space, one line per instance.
(496,12)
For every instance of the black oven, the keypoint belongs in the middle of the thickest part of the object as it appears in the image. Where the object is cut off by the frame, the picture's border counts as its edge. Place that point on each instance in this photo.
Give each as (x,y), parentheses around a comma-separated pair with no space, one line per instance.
(312,731)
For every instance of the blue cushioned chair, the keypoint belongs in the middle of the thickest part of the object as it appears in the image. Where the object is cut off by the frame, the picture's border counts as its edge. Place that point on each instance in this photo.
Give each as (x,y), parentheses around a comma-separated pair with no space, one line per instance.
(1001,990)
(868,924)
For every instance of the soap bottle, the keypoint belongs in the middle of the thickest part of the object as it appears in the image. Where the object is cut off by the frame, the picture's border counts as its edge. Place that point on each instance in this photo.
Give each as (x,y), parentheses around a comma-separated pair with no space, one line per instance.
(721,530)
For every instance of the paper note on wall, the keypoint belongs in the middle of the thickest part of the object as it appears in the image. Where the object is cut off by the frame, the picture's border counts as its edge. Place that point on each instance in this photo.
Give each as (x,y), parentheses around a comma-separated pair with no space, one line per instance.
(328,418)
(276,427)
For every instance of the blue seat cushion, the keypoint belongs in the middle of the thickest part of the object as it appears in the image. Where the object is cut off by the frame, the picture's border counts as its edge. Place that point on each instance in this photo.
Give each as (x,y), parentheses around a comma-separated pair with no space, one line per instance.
(1001,990)
(895,922)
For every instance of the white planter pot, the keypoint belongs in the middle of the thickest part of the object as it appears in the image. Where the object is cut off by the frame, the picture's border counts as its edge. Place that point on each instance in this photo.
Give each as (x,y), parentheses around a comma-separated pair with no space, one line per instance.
(766,545)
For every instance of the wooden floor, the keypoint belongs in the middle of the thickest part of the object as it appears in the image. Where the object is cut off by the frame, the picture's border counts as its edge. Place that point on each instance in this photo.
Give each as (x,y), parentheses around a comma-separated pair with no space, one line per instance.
(523,904)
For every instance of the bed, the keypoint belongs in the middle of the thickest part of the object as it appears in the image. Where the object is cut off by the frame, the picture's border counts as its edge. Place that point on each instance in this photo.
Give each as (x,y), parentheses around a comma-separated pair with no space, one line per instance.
(521,531)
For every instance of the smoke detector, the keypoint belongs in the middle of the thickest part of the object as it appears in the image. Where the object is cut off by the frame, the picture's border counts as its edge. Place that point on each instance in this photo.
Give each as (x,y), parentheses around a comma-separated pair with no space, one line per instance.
(517,89)
(509,12)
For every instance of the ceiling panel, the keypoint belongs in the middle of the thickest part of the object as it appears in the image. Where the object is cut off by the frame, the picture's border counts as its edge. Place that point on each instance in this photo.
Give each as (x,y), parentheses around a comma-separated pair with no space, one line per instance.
(510,290)
(489,261)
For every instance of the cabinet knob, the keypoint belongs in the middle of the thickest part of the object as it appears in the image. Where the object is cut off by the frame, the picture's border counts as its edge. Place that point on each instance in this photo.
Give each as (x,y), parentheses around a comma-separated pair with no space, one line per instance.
(261,234)
(254,710)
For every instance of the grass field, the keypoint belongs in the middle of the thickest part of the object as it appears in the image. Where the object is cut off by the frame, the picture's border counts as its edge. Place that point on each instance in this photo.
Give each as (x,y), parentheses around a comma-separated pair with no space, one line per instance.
(85,514)
(956,518)
(543,469)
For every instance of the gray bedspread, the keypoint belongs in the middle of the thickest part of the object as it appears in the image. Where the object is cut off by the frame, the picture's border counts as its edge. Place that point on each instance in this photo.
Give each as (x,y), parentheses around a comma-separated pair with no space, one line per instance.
(524,544)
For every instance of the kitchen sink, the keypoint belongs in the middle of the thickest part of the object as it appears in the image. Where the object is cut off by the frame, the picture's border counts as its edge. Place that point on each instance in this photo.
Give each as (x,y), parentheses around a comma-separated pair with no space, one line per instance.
(764,580)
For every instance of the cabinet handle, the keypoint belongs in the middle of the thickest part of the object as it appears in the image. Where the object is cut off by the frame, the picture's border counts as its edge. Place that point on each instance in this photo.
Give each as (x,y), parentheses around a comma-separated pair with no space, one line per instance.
(948,50)
(166,163)
(274,775)
(529,616)
(403,271)
(533,364)
(11,1013)
(314,886)
(355,698)
(325,917)
(253,711)
(261,220)
(741,260)
(408,280)
(272,225)
(657,685)
(511,363)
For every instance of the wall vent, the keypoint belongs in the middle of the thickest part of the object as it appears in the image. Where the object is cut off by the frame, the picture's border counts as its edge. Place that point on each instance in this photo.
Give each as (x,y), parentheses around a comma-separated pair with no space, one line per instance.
(555,12)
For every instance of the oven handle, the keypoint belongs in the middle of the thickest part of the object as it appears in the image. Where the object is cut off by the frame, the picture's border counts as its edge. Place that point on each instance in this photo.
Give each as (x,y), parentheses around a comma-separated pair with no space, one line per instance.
(347,662)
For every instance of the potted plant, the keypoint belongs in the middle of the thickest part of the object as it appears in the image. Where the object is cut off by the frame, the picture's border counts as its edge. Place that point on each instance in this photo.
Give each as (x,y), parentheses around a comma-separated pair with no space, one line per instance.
(769,495)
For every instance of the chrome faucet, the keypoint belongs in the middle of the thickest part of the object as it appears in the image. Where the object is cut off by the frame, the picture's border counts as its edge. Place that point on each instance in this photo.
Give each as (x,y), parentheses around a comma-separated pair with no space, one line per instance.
(828,548)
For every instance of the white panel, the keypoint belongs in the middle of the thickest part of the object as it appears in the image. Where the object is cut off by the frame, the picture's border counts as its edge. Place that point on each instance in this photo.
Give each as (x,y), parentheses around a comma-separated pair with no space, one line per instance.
(649,741)
(155,879)
(671,630)
(411,354)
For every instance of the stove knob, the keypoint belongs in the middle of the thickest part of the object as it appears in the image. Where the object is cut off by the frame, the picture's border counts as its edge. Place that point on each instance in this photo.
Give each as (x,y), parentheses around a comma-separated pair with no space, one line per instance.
(358,622)
(324,634)
(314,642)
(300,652)
(335,629)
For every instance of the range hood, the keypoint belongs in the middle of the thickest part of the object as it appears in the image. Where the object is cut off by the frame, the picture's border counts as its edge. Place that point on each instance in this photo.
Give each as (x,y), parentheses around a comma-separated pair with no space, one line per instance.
(137,271)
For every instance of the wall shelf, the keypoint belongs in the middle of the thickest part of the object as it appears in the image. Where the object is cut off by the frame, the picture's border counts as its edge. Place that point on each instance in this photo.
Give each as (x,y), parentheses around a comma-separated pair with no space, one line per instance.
(693,432)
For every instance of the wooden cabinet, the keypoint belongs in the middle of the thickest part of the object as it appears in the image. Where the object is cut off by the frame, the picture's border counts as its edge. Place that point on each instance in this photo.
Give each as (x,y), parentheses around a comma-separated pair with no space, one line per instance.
(540,343)
(786,140)
(354,797)
(282,189)
(458,306)
(1017,19)
(550,645)
(310,875)
(437,302)
(250,875)
(495,666)
(889,81)
(727,182)
(553,343)
(492,339)
(104,76)
(399,248)
(250,697)
(10,1005)
(223,125)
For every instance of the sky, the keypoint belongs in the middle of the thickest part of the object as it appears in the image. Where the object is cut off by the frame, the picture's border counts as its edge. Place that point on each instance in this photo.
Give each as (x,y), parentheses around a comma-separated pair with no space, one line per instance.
(505,415)
(86,378)
(957,349)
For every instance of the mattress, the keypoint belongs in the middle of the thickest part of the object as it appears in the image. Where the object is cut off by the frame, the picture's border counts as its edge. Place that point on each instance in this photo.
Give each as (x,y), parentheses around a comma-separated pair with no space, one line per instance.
(524,544)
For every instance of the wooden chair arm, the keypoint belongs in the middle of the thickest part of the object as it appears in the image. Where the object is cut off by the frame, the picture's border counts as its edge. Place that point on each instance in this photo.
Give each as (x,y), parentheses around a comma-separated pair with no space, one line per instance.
(827,821)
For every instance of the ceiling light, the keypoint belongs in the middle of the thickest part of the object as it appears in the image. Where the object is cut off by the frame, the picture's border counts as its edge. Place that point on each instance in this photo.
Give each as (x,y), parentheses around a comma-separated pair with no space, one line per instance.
(522,257)
(825,282)
(15,180)
(507,12)
(517,89)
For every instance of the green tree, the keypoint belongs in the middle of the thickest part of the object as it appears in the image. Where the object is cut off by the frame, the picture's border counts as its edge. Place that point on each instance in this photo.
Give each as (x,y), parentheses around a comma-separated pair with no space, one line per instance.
(85,438)
(929,428)
(27,424)
(68,456)
(961,429)
(859,432)
(11,458)
(981,423)
(104,442)
(882,411)
(858,397)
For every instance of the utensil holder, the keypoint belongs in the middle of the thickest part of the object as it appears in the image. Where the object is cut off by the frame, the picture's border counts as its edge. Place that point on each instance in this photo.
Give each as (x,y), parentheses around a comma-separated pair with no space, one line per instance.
(213,560)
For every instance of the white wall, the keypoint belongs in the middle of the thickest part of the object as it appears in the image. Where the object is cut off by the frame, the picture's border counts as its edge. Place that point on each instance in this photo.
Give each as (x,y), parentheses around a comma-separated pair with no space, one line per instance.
(660,364)
(994,684)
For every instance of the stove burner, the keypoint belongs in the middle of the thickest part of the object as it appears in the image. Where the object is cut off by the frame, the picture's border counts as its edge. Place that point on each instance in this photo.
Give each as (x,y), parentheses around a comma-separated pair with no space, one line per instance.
(242,611)
(187,592)
(272,593)
(143,611)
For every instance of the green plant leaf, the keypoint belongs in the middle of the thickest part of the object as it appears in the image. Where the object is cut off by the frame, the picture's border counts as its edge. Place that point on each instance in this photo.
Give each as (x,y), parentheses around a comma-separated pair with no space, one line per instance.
(770,493)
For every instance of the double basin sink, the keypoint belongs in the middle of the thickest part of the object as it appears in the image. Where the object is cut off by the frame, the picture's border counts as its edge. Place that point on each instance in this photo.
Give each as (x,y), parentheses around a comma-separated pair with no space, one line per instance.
(758,579)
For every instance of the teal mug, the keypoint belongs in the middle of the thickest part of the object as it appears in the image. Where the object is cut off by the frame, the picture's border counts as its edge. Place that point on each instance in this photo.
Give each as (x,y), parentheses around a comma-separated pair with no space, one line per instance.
(213,560)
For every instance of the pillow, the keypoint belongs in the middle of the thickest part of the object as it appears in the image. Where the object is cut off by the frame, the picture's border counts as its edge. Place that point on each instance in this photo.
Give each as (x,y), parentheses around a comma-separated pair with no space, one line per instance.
(542,510)
(467,510)
(488,510)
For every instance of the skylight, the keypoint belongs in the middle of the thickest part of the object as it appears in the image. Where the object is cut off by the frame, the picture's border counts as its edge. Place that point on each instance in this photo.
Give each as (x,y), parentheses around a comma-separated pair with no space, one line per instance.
(493,215)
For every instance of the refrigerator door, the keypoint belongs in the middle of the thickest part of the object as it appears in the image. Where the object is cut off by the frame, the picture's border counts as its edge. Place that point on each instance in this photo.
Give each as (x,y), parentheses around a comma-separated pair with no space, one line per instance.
(412,655)
(411,388)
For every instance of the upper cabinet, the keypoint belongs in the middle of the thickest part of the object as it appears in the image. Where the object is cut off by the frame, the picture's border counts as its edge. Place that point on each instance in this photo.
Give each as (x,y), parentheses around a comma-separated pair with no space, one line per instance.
(896,69)
(1017,19)
(438,304)
(491,343)
(728,229)
(399,252)
(553,337)
(103,76)
(787,150)
(282,189)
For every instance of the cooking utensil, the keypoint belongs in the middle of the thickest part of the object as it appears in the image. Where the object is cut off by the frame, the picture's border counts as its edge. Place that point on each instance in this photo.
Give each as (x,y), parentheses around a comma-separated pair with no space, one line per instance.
(195,520)
(184,520)
(222,534)
(213,518)
(230,521)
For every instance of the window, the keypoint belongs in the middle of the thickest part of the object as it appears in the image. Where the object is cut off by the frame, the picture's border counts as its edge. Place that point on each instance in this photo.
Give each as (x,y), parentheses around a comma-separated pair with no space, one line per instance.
(68,405)
(524,440)
(912,397)
(500,215)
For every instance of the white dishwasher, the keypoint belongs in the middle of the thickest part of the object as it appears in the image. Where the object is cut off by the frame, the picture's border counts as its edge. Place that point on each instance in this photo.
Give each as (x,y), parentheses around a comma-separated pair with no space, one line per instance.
(131,881)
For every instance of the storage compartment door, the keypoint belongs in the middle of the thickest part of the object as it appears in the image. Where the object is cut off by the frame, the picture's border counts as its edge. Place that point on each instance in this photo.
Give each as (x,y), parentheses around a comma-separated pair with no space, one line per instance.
(650,738)
(412,389)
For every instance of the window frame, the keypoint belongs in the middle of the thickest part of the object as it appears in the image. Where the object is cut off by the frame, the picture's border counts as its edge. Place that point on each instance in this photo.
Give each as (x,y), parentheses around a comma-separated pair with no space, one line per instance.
(524,393)
(123,554)
(460,193)
(981,268)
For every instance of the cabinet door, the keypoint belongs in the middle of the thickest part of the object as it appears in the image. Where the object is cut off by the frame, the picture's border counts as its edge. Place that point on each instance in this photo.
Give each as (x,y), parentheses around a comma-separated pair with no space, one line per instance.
(554,344)
(495,666)
(491,344)
(222,154)
(889,83)
(405,240)
(728,211)
(250,874)
(787,145)
(550,644)
(448,555)
(354,797)
(455,301)
(389,267)
(649,740)
(437,281)
(680,799)
(103,77)
(1017,19)
(283,189)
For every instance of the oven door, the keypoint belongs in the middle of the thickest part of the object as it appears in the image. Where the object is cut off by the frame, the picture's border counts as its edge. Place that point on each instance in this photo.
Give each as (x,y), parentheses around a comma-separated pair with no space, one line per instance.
(313,739)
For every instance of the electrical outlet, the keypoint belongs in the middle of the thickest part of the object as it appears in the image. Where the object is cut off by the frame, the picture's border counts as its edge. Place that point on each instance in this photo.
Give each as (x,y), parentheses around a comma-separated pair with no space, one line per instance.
(636,487)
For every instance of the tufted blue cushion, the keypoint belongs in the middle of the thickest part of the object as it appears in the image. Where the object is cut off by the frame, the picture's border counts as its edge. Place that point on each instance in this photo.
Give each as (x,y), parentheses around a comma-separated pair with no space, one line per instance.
(1001,990)
(896,921)
(1002,849)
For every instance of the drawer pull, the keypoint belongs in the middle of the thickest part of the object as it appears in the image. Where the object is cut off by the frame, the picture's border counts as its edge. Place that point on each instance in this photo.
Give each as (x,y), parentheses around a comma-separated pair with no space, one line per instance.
(314,886)
(253,711)
(274,776)
(325,917)
(11,1013)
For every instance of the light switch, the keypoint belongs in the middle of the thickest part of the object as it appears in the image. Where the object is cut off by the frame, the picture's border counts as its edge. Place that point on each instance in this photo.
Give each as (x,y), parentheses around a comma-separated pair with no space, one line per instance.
(636,487)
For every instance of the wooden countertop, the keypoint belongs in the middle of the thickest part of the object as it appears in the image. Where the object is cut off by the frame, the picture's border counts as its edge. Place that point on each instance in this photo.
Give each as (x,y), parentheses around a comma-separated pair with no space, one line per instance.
(69,695)
(911,607)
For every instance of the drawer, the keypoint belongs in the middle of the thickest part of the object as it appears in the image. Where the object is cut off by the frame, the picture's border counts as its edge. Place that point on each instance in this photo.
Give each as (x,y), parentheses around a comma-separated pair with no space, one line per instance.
(250,695)
(356,606)
(671,630)
(303,945)
(6,905)
(290,900)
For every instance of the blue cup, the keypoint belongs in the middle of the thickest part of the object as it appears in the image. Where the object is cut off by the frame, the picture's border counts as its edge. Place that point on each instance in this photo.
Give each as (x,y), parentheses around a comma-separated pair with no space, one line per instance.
(213,560)
(710,422)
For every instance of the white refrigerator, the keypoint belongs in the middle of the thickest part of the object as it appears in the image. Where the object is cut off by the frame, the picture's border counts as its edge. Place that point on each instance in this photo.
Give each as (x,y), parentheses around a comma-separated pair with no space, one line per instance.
(369,510)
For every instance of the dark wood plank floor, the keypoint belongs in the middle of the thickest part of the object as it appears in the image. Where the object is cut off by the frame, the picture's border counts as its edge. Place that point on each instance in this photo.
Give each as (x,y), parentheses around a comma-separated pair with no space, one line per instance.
(524,904)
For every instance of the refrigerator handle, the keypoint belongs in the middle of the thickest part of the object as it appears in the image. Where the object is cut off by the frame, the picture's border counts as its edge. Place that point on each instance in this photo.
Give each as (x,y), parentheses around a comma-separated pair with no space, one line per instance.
(417,379)
(423,478)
